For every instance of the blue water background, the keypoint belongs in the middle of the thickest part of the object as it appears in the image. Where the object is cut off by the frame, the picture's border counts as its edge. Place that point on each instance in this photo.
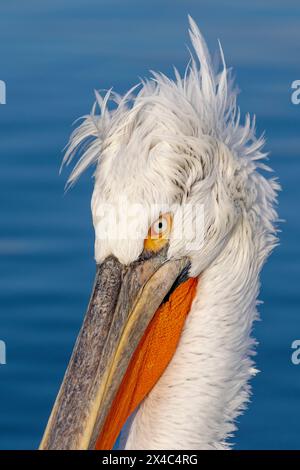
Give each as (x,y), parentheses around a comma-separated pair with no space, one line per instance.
(52,55)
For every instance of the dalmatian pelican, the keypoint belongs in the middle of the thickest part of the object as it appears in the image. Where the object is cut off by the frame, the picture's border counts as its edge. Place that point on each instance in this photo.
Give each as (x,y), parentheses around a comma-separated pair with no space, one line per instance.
(165,352)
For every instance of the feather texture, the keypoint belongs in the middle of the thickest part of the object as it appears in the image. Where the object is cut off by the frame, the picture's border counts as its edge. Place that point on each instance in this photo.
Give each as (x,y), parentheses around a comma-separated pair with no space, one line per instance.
(183,141)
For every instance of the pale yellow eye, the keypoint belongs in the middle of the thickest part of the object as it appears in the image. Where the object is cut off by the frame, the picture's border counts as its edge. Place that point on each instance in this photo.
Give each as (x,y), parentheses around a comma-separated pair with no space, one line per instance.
(159,233)
(159,227)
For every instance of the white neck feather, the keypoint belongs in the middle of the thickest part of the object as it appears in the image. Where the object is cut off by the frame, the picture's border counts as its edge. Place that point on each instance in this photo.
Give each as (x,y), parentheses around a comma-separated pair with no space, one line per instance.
(183,140)
(205,387)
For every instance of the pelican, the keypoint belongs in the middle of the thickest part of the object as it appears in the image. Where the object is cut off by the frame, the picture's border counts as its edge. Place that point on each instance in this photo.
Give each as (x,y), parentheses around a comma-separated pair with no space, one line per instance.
(165,352)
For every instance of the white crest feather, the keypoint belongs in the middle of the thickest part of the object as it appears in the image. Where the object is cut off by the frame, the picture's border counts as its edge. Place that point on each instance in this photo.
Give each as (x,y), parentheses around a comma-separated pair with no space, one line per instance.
(207,96)
(183,139)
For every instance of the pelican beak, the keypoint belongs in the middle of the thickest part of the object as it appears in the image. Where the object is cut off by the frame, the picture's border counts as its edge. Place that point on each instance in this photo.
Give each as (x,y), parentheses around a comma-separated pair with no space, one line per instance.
(123,302)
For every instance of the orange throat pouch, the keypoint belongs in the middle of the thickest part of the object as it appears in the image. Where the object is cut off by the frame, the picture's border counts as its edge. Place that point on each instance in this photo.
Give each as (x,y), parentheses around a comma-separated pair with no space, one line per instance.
(149,360)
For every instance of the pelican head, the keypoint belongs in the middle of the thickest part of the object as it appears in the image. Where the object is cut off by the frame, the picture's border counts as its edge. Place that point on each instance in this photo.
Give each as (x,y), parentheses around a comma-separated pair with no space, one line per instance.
(184,219)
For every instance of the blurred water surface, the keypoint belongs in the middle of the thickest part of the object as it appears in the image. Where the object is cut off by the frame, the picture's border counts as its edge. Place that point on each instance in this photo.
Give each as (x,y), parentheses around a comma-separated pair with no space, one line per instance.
(52,55)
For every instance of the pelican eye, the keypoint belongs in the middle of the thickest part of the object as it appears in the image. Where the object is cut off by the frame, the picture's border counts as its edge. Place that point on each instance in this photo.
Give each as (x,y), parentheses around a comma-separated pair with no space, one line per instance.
(159,233)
